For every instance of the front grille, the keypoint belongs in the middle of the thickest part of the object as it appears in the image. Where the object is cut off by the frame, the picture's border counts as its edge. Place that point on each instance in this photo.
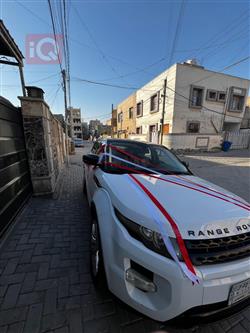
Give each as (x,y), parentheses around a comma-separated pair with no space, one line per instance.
(218,250)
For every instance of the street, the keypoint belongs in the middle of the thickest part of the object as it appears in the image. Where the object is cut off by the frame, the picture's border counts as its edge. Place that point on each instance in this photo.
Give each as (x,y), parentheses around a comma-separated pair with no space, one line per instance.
(230,170)
(45,279)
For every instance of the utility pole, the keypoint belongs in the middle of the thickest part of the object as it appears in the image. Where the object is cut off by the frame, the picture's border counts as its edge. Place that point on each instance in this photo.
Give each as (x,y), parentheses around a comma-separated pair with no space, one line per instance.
(65,115)
(163,109)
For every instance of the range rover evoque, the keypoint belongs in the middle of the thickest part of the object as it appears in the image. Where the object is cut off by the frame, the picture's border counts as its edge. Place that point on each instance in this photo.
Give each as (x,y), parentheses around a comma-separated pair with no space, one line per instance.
(164,240)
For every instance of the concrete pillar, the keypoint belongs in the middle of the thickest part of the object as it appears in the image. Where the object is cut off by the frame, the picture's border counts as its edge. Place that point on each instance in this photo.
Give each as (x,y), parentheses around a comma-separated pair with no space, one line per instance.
(38,137)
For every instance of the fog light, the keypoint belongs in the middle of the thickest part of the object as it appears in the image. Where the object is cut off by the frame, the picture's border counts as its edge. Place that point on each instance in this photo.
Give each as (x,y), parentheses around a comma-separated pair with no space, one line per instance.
(140,281)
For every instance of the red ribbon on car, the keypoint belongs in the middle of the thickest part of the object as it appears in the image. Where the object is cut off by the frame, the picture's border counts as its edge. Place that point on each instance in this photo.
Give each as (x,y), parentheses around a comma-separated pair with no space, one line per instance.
(185,180)
(193,277)
(174,226)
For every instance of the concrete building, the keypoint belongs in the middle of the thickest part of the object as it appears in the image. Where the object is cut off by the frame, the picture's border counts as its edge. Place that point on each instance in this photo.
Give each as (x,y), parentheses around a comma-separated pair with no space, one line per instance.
(114,123)
(199,105)
(104,130)
(74,122)
(93,126)
(126,117)
(108,122)
(85,130)
(246,119)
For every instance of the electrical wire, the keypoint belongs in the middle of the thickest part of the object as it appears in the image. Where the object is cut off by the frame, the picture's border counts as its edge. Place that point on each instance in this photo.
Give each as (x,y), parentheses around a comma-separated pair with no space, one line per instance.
(55,96)
(44,78)
(177,32)
(107,84)
(103,55)
(54,32)
(94,48)
(220,71)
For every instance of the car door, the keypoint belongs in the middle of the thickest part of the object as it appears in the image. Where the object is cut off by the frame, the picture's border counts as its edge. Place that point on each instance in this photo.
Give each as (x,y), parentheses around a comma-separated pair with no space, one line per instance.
(90,172)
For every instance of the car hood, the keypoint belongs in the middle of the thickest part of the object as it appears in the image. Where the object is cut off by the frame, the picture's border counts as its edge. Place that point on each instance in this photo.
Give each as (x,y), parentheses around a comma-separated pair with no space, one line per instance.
(197,215)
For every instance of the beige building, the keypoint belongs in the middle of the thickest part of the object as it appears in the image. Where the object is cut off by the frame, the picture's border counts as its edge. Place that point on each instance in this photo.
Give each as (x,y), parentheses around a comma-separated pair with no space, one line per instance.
(126,117)
(200,104)
(74,122)
(246,119)
(114,123)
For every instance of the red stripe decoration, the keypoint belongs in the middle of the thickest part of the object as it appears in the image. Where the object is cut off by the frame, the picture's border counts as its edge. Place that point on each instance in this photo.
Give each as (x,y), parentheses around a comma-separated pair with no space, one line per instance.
(177,233)
(176,183)
(182,178)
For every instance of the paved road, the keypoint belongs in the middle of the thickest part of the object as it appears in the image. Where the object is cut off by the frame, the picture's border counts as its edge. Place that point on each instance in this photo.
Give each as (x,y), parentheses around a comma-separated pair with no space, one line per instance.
(230,170)
(45,285)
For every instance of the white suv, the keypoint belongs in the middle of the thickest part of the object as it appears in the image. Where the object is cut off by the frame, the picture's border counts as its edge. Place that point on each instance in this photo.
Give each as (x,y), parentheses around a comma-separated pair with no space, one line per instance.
(165,241)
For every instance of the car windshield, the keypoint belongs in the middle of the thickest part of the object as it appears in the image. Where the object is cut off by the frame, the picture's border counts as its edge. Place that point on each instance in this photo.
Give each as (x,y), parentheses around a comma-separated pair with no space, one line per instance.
(126,157)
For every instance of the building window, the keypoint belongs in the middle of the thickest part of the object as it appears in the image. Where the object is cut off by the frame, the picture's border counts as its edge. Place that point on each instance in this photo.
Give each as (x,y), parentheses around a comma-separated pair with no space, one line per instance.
(237,103)
(139,130)
(196,97)
(130,112)
(139,109)
(221,97)
(237,99)
(154,103)
(211,95)
(120,117)
(193,127)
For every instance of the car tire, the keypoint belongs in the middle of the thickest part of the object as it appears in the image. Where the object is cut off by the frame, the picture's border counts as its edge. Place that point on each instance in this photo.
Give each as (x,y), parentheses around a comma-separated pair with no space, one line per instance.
(96,257)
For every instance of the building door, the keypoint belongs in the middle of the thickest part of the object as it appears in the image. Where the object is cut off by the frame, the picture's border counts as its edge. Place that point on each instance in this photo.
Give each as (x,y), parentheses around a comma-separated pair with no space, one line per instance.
(15,183)
(153,134)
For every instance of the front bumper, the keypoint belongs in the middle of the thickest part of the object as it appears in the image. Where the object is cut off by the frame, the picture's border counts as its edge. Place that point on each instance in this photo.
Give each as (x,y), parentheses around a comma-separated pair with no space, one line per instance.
(175,294)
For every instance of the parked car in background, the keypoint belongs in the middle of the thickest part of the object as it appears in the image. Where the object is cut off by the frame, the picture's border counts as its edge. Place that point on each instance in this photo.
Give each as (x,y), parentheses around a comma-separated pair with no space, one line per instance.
(78,142)
(166,241)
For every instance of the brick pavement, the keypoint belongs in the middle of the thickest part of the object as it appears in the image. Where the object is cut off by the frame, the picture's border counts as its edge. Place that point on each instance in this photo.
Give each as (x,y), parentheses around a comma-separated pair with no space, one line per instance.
(45,285)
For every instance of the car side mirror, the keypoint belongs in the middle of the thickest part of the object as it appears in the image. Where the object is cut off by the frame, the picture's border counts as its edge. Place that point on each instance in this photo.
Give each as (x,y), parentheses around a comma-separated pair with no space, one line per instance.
(186,164)
(90,159)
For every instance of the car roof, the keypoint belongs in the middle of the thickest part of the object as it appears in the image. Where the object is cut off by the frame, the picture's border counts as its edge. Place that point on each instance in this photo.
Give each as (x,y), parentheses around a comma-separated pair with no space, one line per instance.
(117,140)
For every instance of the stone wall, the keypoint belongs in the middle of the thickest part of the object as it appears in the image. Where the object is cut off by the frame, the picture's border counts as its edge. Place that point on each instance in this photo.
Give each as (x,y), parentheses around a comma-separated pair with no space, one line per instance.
(45,143)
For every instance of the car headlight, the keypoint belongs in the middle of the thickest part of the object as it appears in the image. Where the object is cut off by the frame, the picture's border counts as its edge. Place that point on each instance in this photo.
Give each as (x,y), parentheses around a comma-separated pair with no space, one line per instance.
(151,239)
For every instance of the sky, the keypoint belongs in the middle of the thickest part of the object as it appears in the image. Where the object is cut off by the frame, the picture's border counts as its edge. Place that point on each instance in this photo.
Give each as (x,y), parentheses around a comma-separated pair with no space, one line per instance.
(125,43)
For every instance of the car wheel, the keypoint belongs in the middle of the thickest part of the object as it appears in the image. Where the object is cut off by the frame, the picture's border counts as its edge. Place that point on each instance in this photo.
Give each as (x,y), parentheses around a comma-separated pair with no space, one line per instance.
(96,257)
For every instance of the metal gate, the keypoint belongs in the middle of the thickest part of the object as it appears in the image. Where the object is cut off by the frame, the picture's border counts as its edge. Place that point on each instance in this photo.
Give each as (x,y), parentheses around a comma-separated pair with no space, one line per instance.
(240,139)
(15,183)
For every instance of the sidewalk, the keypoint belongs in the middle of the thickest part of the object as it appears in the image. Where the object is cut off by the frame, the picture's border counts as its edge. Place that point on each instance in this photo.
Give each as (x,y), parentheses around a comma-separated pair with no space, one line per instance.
(45,285)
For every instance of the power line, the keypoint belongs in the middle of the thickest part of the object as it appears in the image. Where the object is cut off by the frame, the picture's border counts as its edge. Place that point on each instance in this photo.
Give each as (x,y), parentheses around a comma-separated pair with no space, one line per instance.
(103,55)
(66,28)
(153,90)
(177,31)
(135,72)
(202,106)
(222,70)
(54,32)
(55,96)
(105,84)
(97,116)
(44,78)
(90,47)
(233,24)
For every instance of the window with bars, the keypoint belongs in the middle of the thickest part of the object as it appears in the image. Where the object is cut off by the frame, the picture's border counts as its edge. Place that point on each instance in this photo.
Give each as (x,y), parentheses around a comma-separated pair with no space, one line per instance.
(154,103)
(130,112)
(139,109)
(196,97)
(193,127)
(139,130)
(212,95)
